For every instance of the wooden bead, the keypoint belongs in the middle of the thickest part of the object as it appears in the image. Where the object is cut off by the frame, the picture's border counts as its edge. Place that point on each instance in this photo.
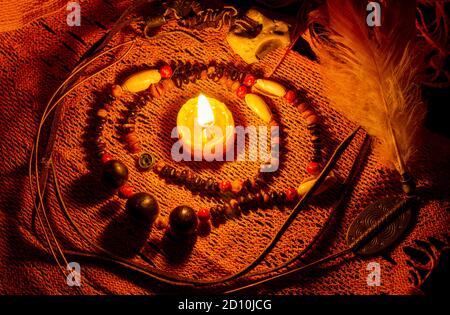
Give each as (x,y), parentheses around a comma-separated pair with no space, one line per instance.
(135,148)
(161,223)
(237,185)
(168,84)
(290,96)
(234,204)
(235,86)
(302,107)
(116,90)
(159,166)
(154,91)
(131,138)
(312,120)
(308,113)
(102,113)
(229,83)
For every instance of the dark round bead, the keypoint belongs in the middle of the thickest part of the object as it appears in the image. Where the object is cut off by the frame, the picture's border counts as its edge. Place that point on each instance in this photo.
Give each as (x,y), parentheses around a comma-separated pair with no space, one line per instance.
(183,220)
(274,197)
(144,204)
(183,176)
(114,174)
(282,197)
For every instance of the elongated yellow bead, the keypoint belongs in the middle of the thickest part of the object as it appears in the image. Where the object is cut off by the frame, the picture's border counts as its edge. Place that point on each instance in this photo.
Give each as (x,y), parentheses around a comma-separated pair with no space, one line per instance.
(269,88)
(141,81)
(258,106)
(306,185)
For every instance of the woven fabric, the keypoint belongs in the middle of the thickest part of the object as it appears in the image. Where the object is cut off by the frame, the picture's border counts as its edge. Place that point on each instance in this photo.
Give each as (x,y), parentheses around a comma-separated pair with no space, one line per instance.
(37,57)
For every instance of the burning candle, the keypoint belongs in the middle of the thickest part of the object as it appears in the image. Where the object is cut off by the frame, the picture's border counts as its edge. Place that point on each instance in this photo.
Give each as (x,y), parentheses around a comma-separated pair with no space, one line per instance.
(206,128)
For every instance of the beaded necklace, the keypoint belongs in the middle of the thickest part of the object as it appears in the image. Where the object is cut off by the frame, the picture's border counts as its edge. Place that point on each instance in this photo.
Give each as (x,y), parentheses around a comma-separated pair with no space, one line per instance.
(236,195)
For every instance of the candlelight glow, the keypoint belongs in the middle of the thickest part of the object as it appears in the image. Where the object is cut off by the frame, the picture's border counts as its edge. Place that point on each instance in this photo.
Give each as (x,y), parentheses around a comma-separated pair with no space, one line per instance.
(205,115)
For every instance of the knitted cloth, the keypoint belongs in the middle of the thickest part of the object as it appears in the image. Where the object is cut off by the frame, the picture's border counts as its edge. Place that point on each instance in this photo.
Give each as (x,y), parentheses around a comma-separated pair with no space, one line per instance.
(36,58)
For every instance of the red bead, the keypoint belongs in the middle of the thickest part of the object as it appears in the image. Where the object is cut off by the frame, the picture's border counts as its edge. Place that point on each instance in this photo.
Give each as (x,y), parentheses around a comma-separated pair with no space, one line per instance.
(166,71)
(126,191)
(291,194)
(249,80)
(225,185)
(290,96)
(241,91)
(313,168)
(106,157)
(204,215)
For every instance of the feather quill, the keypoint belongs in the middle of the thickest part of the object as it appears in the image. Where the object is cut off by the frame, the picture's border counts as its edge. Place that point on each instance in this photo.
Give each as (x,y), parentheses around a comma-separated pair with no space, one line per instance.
(371,73)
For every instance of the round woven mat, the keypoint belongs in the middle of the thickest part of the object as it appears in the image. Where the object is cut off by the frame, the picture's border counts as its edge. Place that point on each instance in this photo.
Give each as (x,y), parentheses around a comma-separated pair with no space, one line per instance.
(36,58)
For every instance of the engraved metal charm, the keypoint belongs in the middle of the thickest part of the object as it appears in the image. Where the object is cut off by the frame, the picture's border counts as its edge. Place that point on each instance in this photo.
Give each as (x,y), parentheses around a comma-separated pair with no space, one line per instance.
(146,161)
(388,234)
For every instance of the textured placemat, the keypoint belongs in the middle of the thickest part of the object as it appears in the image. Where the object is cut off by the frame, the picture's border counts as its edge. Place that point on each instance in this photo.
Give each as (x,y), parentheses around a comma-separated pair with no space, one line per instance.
(36,58)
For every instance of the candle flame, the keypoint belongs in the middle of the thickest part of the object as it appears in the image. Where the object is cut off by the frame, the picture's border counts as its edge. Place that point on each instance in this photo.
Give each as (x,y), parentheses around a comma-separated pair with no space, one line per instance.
(205,115)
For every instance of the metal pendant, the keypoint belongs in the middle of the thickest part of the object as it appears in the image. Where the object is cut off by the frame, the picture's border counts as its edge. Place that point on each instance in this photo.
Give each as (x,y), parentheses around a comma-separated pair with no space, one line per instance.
(388,233)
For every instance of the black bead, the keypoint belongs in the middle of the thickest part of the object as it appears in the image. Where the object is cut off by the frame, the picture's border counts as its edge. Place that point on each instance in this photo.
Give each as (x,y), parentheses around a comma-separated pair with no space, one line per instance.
(165,171)
(183,220)
(282,197)
(114,174)
(274,197)
(183,176)
(313,126)
(248,184)
(143,204)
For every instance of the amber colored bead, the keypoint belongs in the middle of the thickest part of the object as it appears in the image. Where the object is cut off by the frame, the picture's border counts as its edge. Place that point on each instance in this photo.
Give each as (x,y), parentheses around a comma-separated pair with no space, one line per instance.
(291,194)
(102,113)
(159,166)
(274,197)
(266,197)
(106,157)
(235,86)
(312,120)
(290,96)
(204,215)
(302,107)
(237,185)
(234,204)
(229,83)
(307,113)
(116,90)
(313,168)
